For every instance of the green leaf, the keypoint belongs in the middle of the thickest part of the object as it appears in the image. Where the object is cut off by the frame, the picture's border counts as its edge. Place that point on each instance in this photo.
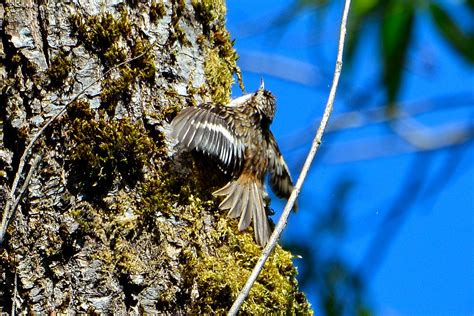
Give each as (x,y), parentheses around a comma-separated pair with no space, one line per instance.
(361,11)
(363,7)
(470,4)
(397,27)
(463,43)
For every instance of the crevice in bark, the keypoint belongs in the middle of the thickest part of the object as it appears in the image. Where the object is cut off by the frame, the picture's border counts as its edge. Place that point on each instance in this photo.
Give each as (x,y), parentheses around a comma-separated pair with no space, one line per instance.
(11,61)
(42,22)
(130,290)
(6,288)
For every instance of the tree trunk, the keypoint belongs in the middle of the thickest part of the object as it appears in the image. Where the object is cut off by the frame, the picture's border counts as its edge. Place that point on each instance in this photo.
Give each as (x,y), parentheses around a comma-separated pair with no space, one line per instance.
(113,219)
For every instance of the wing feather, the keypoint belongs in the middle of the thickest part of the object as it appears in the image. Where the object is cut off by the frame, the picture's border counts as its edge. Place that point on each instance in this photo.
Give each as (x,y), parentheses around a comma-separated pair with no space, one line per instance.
(206,135)
(181,119)
(196,125)
(209,133)
(184,126)
(280,179)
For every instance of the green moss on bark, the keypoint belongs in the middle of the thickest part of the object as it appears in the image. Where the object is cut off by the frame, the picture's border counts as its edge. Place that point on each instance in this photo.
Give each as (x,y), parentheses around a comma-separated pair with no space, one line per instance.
(157,11)
(149,223)
(59,70)
(220,56)
(103,150)
(219,276)
(113,41)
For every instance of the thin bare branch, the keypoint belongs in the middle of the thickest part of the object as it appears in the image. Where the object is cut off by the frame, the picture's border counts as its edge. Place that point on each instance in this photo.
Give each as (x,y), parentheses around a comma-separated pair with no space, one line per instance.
(10,205)
(15,294)
(33,167)
(289,69)
(441,137)
(378,115)
(314,147)
(423,137)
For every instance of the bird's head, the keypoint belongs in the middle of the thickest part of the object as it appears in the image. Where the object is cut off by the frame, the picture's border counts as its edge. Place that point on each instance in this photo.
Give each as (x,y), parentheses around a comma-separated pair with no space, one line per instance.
(265,103)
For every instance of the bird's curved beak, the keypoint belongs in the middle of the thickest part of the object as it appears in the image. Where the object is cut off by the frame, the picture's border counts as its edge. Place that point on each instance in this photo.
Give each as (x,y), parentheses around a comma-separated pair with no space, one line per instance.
(262,85)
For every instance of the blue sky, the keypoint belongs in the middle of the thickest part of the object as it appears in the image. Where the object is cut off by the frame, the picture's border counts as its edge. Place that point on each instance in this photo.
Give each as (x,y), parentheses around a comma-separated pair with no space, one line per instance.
(427,268)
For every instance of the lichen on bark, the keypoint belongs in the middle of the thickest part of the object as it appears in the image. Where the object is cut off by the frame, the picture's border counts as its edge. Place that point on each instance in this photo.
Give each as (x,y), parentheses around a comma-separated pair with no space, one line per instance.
(113,219)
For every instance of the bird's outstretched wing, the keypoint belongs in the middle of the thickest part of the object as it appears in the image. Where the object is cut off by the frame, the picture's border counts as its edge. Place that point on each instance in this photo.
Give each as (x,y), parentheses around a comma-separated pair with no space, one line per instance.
(209,133)
(280,179)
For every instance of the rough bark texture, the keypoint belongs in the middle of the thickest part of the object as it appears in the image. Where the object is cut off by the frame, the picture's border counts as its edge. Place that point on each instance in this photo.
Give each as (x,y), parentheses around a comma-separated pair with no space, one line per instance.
(113,220)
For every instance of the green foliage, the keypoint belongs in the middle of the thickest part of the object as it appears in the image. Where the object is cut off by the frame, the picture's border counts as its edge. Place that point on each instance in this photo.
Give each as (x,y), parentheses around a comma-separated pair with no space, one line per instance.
(395,20)
(461,41)
(470,5)
(395,37)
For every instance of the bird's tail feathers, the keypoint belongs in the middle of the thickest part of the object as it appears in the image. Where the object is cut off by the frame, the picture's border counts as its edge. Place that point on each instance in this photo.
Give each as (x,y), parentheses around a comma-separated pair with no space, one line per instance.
(243,197)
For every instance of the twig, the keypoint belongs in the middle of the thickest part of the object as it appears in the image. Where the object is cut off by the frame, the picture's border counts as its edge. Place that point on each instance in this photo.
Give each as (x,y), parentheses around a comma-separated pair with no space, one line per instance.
(424,138)
(444,136)
(314,147)
(285,68)
(10,205)
(378,115)
(15,293)
(33,167)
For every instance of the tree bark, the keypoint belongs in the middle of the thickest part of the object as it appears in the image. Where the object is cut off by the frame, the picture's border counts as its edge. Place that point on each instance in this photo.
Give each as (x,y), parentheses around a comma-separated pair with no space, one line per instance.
(113,219)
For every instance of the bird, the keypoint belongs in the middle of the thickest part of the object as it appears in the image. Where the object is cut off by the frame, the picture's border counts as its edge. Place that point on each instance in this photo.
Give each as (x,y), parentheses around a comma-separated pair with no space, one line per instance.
(238,136)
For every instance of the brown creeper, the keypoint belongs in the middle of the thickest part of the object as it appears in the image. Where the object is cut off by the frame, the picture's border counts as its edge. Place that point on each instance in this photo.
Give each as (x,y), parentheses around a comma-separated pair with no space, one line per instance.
(239,136)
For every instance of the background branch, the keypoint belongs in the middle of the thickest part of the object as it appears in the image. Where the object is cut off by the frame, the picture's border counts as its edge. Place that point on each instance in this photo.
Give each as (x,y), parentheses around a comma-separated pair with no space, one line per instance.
(378,115)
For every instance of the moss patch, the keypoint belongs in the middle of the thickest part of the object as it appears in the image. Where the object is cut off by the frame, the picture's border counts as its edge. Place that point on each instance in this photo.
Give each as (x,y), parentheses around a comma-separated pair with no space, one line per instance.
(221,57)
(112,40)
(214,277)
(103,150)
(219,68)
(217,278)
(59,70)
(209,12)
(178,10)
(157,11)
(101,34)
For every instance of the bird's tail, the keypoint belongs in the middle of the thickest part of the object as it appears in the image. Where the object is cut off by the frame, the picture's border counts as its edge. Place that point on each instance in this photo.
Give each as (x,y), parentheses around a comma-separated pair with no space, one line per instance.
(243,197)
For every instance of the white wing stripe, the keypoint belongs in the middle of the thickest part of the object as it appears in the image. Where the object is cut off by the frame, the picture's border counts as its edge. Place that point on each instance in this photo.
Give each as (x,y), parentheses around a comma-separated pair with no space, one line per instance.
(205,131)
(235,103)
(222,130)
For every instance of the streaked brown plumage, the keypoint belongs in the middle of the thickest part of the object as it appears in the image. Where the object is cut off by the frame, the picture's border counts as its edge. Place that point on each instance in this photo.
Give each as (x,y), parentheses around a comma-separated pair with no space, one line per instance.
(239,136)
